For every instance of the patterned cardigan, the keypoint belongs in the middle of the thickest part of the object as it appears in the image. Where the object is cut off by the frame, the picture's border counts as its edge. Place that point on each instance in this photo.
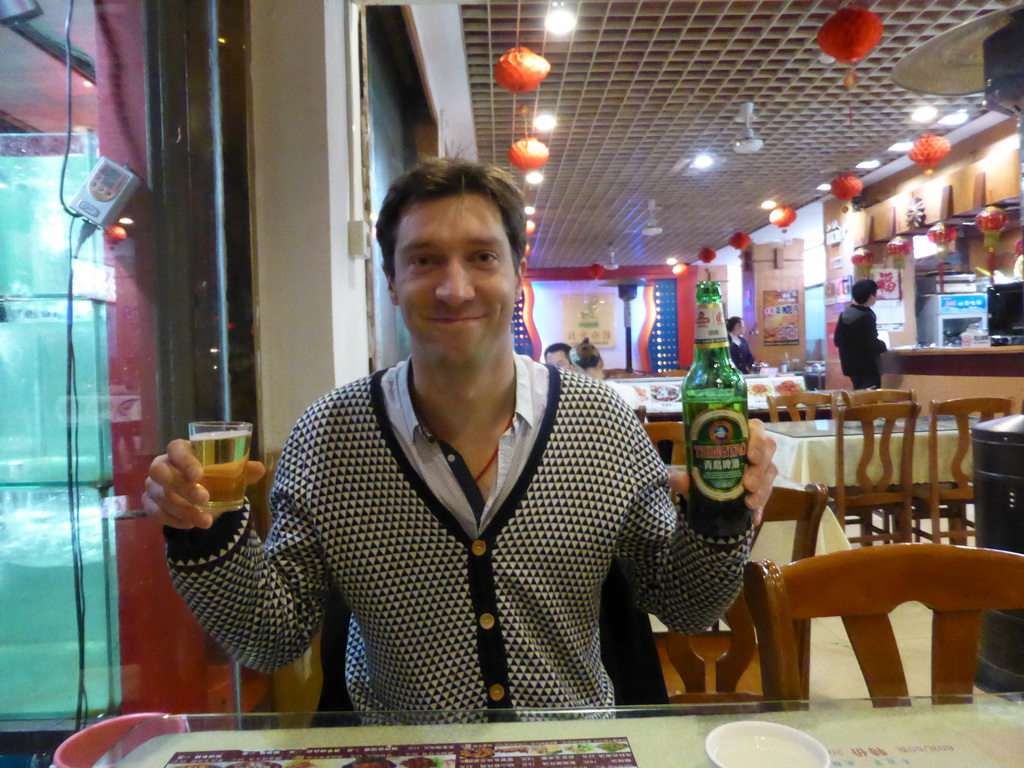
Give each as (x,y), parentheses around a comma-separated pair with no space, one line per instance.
(442,620)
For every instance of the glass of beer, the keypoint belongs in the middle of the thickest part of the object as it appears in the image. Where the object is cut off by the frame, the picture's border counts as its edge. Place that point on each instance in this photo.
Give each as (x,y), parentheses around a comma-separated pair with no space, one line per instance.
(222,447)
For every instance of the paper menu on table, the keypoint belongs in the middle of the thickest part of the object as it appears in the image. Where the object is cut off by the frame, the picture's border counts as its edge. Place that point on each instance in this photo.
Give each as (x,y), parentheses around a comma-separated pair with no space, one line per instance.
(580,753)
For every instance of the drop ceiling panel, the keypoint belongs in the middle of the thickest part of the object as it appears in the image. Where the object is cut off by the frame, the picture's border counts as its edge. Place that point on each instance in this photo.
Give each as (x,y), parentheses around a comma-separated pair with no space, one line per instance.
(639,88)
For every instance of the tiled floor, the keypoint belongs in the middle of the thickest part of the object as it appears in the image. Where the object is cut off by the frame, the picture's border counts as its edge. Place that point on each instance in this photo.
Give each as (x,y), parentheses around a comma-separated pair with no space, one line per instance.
(834,670)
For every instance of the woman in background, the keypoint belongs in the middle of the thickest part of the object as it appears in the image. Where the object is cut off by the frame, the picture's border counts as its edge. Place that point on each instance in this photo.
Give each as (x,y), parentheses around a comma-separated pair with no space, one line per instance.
(586,357)
(739,350)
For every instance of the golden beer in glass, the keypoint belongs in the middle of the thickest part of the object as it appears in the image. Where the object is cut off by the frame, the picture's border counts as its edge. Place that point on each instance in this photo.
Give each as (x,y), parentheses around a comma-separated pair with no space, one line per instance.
(222,447)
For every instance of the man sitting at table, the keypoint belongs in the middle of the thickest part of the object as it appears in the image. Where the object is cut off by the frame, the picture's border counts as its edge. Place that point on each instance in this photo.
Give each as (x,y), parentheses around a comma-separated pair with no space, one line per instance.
(856,338)
(467,503)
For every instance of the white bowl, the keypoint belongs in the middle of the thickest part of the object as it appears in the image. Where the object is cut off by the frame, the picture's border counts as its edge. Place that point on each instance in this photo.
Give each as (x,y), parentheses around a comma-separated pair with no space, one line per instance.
(747,743)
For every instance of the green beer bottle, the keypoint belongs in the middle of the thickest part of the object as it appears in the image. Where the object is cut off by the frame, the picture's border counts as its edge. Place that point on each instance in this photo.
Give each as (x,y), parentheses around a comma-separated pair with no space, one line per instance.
(715,413)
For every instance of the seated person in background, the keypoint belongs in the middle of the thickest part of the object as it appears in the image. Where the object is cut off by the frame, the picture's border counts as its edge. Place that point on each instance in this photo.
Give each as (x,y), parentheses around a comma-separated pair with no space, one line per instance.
(558,355)
(586,357)
(467,504)
(739,349)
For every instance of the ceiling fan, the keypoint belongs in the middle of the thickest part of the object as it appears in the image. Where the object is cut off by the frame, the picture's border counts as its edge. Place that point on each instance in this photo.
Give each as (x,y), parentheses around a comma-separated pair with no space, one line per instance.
(748,142)
(651,228)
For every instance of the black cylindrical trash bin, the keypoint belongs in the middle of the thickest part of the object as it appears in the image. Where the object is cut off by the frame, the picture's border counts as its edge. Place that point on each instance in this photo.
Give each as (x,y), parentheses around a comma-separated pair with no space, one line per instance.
(999,518)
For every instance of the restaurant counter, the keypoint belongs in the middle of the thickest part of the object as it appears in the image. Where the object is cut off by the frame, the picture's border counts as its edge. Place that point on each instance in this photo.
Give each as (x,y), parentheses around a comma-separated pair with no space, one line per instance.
(941,373)
(988,733)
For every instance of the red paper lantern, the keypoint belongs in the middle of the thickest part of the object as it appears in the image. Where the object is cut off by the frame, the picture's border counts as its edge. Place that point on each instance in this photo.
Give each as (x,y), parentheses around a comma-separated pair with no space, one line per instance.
(992,219)
(528,154)
(847,186)
(991,222)
(739,240)
(782,216)
(531,227)
(928,150)
(850,33)
(941,234)
(899,247)
(1018,247)
(862,256)
(595,271)
(706,255)
(115,234)
(520,70)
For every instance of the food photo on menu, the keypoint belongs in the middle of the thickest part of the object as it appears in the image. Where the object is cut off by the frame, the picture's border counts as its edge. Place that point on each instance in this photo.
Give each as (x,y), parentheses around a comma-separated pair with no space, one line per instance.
(583,753)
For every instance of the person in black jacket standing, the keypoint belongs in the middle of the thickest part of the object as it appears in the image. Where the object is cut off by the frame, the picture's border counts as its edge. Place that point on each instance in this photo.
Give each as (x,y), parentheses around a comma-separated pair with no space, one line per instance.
(856,337)
(739,350)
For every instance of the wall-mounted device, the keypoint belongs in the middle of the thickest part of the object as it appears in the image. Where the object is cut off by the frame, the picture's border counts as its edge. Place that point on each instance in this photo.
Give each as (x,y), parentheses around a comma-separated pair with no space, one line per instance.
(105,192)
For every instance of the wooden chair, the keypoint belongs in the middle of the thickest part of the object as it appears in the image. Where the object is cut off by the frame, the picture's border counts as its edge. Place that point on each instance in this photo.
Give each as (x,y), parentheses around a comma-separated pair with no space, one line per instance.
(860,502)
(731,653)
(668,431)
(875,396)
(863,586)
(801,406)
(948,500)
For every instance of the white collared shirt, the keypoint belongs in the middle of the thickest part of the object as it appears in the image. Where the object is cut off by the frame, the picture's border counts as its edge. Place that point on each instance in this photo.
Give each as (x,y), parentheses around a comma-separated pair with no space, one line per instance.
(434,465)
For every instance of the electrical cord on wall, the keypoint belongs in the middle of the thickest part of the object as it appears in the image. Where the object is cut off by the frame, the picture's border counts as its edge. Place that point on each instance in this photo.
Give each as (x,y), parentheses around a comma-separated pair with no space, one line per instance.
(67,97)
(72,417)
(72,404)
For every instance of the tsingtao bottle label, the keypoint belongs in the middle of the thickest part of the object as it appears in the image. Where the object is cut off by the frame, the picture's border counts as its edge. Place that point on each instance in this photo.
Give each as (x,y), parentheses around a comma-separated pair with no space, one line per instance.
(710,326)
(719,441)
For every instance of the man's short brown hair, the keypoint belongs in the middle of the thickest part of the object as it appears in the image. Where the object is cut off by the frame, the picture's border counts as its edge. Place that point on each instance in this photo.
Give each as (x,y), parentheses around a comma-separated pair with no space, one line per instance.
(449,177)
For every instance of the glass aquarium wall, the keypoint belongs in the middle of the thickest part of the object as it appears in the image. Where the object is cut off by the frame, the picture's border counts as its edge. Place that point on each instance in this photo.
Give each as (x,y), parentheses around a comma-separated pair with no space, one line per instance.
(50,634)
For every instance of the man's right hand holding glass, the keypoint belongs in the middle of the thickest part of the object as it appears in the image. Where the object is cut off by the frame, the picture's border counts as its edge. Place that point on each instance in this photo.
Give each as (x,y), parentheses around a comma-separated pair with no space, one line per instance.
(174,488)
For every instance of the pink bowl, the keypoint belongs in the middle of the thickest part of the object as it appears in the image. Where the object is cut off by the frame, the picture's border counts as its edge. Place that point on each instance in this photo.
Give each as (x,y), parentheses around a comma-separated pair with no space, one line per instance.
(83,749)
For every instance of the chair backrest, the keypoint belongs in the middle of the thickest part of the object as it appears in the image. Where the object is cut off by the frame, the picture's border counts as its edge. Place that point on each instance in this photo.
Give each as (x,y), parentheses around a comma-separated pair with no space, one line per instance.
(799,405)
(669,431)
(873,396)
(868,491)
(962,409)
(805,507)
(863,586)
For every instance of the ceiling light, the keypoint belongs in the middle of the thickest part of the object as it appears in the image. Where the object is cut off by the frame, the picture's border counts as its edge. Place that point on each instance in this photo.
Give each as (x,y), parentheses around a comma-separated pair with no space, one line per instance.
(768,205)
(671,261)
(748,142)
(902,146)
(544,122)
(703,161)
(869,165)
(125,220)
(955,118)
(560,20)
(534,177)
(924,114)
(529,210)
(823,187)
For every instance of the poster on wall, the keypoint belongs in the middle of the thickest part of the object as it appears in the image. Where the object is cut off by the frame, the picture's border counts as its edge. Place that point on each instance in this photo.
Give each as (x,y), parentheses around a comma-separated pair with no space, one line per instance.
(781,310)
(890,315)
(830,292)
(589,316)
(844,289)
(890,283)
